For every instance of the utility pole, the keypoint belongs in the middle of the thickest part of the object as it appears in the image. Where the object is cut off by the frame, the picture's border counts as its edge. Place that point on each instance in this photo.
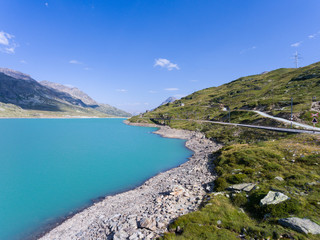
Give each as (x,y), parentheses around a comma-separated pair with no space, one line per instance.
(291,111)
(296,59)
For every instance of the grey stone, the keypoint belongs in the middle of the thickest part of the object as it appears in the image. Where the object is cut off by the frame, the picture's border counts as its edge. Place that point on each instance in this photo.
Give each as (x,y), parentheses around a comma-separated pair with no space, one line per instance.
(302,225)
(242,187)
(120,235)
(279,178)
(177,190)
(147,223)
(273,198)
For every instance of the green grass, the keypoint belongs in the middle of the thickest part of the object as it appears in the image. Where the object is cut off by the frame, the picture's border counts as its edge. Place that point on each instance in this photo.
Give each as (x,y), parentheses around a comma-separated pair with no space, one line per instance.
(269,92)
(252,155)
(219,218)
(295,158)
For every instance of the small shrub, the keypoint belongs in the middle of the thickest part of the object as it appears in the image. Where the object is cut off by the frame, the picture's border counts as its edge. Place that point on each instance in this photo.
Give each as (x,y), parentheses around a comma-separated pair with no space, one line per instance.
(270,175)
(239,199)
(284,209)
(220,184)
(219,170)
(248,171)
(236,178)
(310,160)
(272,166)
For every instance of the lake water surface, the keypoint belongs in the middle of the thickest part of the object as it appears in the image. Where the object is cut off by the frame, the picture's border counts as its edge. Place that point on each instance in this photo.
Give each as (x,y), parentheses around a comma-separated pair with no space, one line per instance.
(51,167)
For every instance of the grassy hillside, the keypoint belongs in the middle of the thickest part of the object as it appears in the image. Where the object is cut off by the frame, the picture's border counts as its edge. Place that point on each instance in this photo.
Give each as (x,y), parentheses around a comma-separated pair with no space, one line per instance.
(269,92)
(288,163)
(294,158)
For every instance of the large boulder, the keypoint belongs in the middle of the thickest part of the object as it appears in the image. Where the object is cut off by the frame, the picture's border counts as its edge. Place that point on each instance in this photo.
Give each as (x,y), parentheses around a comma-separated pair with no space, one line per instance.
(177,190)
(148,223)
(273,198)
(242,187)
(302,225)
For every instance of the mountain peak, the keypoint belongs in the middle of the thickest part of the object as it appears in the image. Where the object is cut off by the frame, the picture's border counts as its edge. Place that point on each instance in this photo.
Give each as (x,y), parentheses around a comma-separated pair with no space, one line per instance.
(168,100)
(16,74)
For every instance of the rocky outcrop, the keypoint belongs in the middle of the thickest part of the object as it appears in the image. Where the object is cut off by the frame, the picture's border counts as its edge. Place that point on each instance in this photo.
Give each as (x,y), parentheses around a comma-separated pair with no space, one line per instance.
(145,212)
(273,198)
(302,225)
(247,187)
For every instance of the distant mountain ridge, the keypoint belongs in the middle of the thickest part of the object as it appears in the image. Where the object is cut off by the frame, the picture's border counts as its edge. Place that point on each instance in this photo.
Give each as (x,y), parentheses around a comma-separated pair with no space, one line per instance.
(23,91)
(73,91)
(168,100)
(86,99)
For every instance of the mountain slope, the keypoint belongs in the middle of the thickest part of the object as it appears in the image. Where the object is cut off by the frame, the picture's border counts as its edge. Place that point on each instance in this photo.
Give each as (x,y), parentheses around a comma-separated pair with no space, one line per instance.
(73,91)
(269,92)
(22,96)
(85,98)
(32,95)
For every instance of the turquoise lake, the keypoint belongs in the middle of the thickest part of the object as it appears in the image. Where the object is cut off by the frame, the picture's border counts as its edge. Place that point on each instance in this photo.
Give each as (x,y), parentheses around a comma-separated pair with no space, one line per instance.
(51,167)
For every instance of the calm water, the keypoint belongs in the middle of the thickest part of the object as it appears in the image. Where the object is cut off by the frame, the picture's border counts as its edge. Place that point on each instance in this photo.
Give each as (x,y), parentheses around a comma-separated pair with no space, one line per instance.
(50,167)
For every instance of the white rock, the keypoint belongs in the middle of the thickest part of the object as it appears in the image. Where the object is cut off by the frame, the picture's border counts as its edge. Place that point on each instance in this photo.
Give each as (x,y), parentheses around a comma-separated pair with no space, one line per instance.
(273,198)
(279,178)
(242,187)
(302,225)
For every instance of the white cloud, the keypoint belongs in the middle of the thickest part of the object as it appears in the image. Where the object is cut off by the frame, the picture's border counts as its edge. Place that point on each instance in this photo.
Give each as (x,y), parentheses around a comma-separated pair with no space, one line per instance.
(248,49)
(194,80)
(7,44)
(151,91)
(10,50)
(23,61)
(5,38)
(165,63)
(47,4)
(311,36)
(171,89)
(87,68)
(122,90)
(75,62)
(297,44)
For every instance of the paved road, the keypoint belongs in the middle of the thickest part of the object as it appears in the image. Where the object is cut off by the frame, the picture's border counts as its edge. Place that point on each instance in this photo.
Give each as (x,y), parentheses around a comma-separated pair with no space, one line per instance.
(305,126)
(289,130)
(263,127)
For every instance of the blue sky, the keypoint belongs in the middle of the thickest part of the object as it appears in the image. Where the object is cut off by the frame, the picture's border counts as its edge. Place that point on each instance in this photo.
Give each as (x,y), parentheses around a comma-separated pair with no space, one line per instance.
(134,54)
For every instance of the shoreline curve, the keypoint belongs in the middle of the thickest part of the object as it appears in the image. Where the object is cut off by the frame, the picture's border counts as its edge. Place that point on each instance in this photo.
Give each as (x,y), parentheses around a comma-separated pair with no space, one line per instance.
(145,211)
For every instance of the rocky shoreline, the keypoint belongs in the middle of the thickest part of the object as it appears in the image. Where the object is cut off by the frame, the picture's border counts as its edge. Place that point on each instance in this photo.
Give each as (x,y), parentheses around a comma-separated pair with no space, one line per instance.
(146,211)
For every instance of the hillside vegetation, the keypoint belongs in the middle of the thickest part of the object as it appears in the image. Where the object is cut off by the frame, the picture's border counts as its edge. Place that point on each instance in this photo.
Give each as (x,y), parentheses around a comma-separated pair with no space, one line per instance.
(269,92)
(272,161)
(289,164)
